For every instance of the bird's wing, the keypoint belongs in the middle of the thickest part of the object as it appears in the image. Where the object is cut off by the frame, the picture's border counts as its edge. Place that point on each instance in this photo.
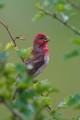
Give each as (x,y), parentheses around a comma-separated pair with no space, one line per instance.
(36,63)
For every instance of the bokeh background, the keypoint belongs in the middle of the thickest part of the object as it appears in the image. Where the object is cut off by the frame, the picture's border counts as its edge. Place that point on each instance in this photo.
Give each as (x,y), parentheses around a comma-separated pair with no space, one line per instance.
(64,75)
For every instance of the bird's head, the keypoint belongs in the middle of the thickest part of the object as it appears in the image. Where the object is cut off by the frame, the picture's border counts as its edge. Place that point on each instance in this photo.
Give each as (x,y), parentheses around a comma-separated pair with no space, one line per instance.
(41,40)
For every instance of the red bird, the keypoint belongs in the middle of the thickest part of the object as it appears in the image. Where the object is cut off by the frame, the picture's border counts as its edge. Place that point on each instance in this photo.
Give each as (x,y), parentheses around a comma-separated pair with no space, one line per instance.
(40,59)
(40,55)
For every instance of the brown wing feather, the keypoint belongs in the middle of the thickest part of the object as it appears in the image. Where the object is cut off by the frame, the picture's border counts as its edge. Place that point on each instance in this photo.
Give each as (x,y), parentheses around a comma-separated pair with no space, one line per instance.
(36,63)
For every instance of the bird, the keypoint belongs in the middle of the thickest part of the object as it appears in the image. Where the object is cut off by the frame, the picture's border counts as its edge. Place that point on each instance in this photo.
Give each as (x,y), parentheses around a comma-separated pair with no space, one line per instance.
(41,55)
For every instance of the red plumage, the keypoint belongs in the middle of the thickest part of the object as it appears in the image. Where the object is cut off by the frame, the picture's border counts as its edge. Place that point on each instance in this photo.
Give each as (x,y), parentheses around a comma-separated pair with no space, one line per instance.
(40,55)
(40,59)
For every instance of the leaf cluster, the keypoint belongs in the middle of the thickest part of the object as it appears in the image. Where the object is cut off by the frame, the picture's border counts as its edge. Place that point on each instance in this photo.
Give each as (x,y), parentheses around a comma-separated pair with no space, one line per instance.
(63,11)
(32,97)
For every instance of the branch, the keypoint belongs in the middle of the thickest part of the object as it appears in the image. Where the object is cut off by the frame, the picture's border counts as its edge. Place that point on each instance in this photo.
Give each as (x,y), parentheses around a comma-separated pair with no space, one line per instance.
(72,28)
(48,107)
(73,4)
(15,113)
(11,36)
(13,39)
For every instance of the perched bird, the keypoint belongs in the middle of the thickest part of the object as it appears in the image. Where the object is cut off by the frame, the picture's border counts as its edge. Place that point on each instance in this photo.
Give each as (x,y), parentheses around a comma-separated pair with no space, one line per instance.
(40,55)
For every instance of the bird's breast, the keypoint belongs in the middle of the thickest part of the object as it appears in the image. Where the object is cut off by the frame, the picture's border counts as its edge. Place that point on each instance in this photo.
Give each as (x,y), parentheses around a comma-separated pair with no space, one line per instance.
(46,59)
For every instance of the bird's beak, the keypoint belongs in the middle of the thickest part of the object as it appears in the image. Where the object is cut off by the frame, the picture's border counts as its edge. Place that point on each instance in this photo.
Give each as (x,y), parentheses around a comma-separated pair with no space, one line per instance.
(47,39)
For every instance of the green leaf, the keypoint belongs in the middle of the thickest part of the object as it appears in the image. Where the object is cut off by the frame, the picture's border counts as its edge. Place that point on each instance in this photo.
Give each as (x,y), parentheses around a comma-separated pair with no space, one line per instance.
(60,7)
(2,2)
(37,5)
(64,17)
(72,15)
(57,115)
(56,1)
(20,69)
(46,101)
(69,101)
(38,16)
(25,53)
(71,54)
(3,56)
(10,68)
(77,107)
(67,7)
(11,80)
(77,41)
(46,3)
(42,86)
(2,84)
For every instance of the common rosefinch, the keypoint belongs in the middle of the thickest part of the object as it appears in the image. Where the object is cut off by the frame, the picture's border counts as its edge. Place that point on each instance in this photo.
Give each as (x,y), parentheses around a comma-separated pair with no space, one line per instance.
(40,59)
(40,55)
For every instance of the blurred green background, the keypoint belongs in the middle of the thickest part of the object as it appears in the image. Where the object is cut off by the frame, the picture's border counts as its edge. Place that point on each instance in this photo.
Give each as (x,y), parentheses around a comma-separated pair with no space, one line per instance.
(65,75)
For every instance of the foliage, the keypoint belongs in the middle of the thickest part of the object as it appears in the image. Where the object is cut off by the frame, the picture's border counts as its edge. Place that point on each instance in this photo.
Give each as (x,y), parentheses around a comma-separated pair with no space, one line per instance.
(2,2)
(63,11)
(25,97)
(32,97)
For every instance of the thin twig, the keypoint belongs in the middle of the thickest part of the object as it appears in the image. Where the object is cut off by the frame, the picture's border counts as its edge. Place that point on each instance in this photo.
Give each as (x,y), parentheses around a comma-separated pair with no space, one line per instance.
(13,39)
(14,94)
(77,6)
(72,28)
(16,113)
(11,36)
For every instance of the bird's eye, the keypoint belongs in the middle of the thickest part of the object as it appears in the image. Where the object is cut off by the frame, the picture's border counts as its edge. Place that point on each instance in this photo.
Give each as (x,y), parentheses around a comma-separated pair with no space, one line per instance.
(41,38)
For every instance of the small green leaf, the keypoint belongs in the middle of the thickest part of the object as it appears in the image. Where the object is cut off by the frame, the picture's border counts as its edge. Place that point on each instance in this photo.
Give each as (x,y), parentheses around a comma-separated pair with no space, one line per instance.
(37,5)
(9,46)
(64,17)
(72,15)
(20,68)
(11,80)
(25,53)
(56,115)
(77,41)
(60,7)
(2,2)
(77,107)
(38,16)
(3,56)
(2,84)
(67,7)
(46,3)
(10,67)
(71,54)
(69,101)
(46,101)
